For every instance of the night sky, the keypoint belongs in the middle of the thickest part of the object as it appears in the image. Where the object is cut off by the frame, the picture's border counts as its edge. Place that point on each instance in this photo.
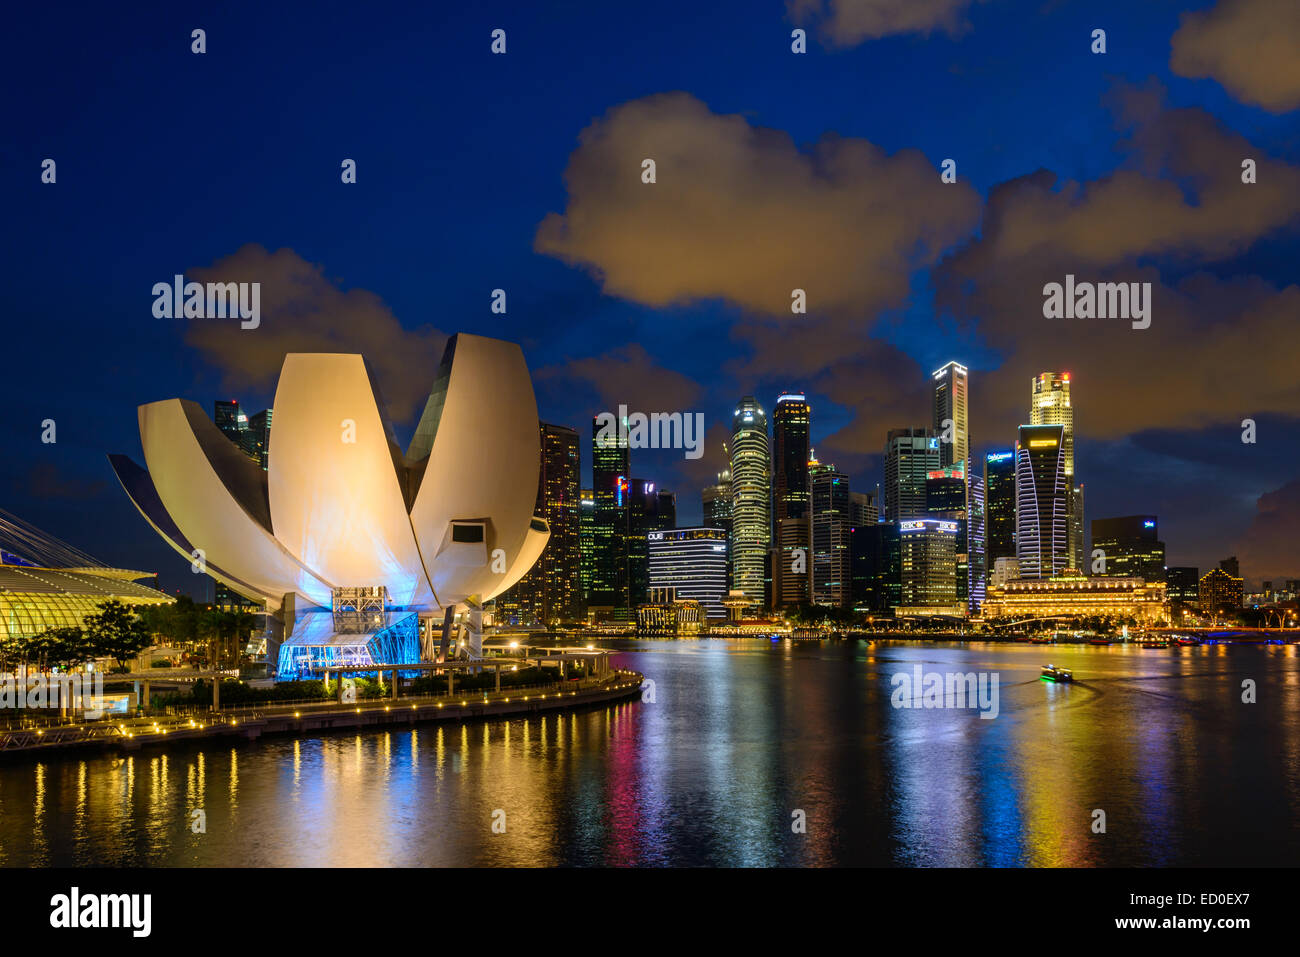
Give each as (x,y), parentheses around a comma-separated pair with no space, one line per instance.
(774,171)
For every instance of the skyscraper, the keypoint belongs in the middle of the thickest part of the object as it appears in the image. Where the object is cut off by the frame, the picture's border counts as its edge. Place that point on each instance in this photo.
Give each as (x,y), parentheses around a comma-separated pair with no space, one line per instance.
(946,497)
(862,509)
(256,442)
(950,413)
(551,591)
(692,562)
(1050,404)
(609,474)
(910,456)
(791,530)
(1000,505)
(927,551)
(1131,546)
(586,544)
(790,454)
(751,487)
(876,567)
(831,526)
(1042,545)
(648,510)
(716,500)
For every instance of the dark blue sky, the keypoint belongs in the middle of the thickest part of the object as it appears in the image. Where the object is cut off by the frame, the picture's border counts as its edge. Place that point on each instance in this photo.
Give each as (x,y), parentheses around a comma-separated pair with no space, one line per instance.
(168,162)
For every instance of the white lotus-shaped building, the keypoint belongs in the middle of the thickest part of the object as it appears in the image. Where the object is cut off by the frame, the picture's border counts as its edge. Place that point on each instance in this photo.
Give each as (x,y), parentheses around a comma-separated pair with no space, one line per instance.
(339,506)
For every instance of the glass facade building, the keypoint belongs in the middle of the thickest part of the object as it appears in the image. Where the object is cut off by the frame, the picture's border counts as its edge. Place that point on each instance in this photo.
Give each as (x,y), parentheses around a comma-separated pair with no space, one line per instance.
(692,562)
(751,489)
(1042,546)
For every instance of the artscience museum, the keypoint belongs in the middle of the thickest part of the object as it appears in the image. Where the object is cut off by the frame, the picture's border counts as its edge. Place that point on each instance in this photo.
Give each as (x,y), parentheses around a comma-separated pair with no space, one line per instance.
(362,553)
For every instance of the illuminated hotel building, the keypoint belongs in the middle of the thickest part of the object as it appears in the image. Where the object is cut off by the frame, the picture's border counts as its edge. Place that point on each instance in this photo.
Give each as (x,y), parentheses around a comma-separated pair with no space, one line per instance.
(951,388)
(751,486)
(693,563)
(1077,596)
(927,558)
(1050,404)
(1041,528)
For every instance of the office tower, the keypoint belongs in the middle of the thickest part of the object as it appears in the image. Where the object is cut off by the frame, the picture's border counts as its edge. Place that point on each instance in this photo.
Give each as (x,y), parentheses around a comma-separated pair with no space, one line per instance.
(692,562)
(927,556)
(609,477)
(1042,545)
(1074,512)
(951,390)
(1050,404)
(1000,505)
(946,497)
(717,509)
(910,456)
(790,455)
(876,567)
(831,526)
(586,544)
(1132,547)
(976,544)
(1004,570)
(256,442)
(648,510)
(551,591)
(230,419)
(1219,591)
(1184,584)
(1231,566)
(862,508)
(751,487)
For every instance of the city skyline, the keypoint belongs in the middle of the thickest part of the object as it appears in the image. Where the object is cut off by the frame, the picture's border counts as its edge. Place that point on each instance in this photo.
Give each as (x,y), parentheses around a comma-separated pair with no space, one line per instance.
(1165,404)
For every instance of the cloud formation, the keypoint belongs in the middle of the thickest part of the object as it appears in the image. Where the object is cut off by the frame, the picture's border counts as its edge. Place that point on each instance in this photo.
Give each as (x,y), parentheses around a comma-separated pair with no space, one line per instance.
(740,213)
(1251,47)
(1270,548)
(846,23)
(303,310)
(627,376)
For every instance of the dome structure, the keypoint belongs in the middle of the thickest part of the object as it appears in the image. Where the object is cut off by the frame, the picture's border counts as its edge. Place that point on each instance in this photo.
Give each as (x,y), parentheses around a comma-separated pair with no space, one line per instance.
(339,505)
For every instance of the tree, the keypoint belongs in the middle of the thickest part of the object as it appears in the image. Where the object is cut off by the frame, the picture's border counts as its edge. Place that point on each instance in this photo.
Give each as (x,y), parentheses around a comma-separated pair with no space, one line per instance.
(117,632)
(57,648)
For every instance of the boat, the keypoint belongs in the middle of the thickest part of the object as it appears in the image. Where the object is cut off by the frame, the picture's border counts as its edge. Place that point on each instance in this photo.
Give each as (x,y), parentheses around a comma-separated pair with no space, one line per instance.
(1059,675)
(1185,640)
(1099,641)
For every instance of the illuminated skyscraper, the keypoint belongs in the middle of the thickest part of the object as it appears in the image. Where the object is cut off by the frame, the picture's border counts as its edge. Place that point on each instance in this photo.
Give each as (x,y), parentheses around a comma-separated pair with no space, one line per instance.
(1042,545)
(1050,404)
(692,562)
(609,474)
(790,500)
(1000,505)
(1132,547)
(751,487)
(551,591)
(648,510)
(716,500)
(910,456)
(831,527)
(586,544)
(951,390)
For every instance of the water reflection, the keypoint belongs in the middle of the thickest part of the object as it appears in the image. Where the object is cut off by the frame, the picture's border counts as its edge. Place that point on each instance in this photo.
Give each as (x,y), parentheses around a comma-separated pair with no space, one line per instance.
(744,739)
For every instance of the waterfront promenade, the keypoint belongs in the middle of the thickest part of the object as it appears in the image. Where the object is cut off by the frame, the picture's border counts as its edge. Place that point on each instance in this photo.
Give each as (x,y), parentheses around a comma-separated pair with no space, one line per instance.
(309,717)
